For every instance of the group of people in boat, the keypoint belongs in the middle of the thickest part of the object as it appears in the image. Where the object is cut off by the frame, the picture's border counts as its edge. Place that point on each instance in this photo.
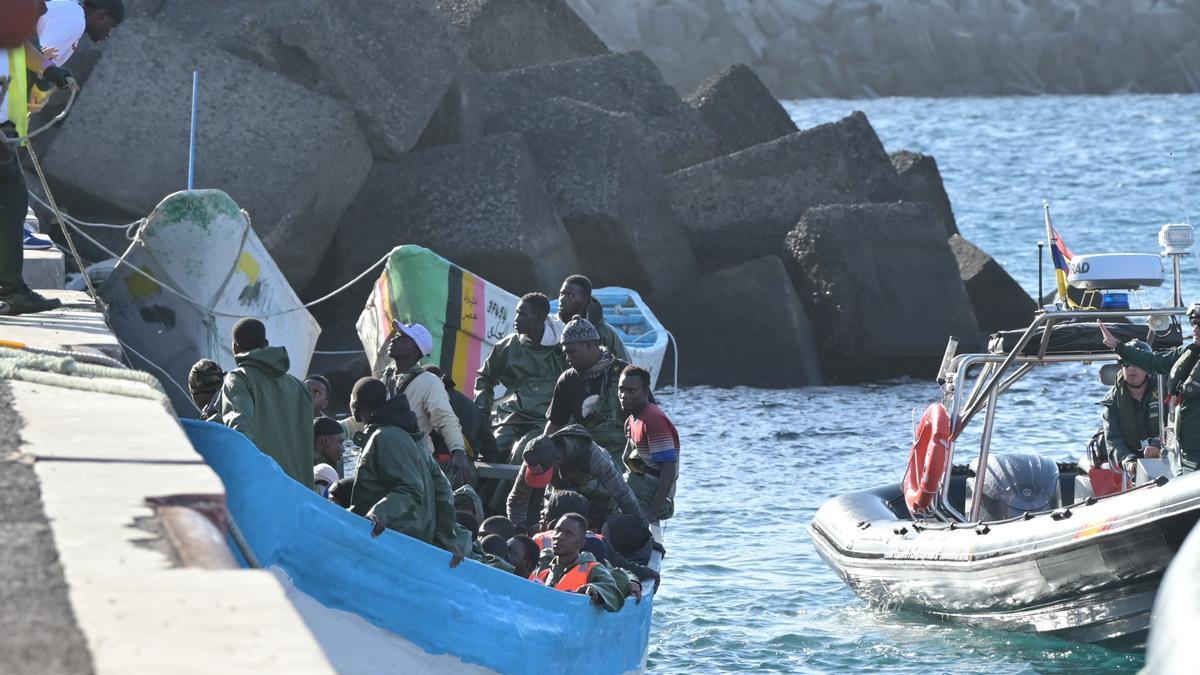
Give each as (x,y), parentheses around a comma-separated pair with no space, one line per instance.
(1132,424)
(597,457)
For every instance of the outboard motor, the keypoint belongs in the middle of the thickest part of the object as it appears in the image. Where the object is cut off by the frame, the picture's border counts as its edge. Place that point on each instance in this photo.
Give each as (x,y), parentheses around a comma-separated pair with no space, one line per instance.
(1015,484)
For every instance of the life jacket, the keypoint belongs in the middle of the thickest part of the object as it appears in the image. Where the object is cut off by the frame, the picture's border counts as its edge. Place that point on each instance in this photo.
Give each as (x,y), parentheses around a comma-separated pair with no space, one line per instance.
(18,105)
(575,578)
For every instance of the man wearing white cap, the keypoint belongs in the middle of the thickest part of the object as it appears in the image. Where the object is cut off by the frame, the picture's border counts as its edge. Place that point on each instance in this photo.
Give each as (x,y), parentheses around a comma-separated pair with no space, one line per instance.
(426,394)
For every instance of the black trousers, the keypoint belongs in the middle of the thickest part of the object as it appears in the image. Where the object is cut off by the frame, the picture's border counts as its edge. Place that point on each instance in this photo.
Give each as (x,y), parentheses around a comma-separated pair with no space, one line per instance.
(14,203)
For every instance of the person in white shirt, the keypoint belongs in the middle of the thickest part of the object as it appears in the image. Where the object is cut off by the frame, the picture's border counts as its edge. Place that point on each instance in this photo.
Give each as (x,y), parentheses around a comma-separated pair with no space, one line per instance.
(426,395)
(59,29)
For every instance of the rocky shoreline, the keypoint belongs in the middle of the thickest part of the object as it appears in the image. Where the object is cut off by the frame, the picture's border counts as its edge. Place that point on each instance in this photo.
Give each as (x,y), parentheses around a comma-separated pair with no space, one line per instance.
(869,48)
(504,135)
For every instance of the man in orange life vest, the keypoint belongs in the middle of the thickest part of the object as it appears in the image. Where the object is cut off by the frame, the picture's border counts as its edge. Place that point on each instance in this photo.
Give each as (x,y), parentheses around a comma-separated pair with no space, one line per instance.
(576,571)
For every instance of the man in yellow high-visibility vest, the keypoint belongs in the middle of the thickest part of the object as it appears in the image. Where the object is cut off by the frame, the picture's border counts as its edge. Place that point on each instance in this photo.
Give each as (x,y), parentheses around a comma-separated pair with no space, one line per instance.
(15,296)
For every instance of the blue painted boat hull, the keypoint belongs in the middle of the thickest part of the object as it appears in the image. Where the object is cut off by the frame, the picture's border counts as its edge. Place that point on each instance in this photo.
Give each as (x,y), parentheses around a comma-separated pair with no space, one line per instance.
(442,619)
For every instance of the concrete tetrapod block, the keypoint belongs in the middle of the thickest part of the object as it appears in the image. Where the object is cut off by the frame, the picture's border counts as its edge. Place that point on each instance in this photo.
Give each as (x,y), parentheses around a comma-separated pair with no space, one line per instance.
(481,204)
(882,285)
(739,109)
(627,83)
(922,182)
(605,183)
(459,116)
(391,62)
(291,158)
(998,300)
(757,298)
(510,34)
(741,206)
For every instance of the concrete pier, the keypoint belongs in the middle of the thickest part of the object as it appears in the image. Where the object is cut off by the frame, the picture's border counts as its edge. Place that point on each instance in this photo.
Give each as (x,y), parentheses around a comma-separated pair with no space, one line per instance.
(93,581)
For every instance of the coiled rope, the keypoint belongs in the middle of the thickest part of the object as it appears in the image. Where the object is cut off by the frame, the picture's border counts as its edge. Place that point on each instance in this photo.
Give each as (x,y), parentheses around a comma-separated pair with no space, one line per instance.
(66,372)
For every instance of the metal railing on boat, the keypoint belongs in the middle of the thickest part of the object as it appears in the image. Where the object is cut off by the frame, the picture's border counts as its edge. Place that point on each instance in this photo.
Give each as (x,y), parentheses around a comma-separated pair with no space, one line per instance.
(995,378)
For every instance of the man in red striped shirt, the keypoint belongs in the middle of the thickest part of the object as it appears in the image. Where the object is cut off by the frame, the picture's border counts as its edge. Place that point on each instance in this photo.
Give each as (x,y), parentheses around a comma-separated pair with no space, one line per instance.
(652,447)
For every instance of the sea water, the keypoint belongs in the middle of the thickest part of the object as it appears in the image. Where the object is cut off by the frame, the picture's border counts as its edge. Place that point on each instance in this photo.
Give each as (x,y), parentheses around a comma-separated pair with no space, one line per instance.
(743,588)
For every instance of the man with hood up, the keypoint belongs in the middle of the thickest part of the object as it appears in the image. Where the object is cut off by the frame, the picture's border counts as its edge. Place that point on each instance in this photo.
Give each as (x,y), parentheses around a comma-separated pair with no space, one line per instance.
(569,460)
(399,485)
(273,409)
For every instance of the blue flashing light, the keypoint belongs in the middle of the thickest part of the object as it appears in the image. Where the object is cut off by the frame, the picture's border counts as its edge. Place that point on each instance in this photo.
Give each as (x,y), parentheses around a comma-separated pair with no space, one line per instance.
(1115,301)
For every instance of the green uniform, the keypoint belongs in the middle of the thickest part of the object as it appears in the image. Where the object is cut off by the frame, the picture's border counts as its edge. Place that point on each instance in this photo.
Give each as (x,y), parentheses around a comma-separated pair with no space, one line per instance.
(1129,422)
(608,335)
(273,409)
(600,578)
(400,482)
(1187,417)
(476,503)
(528,371)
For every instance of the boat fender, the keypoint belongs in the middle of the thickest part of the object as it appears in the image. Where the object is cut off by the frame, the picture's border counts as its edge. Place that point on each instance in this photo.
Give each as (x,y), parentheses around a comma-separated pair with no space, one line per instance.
(928,458)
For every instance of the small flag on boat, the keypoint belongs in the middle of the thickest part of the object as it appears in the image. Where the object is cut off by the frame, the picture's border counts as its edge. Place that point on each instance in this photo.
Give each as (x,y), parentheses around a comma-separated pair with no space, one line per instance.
(1061,255)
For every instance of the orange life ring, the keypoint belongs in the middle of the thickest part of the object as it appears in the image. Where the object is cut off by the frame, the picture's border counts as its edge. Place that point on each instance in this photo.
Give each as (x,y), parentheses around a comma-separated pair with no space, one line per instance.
(928,458)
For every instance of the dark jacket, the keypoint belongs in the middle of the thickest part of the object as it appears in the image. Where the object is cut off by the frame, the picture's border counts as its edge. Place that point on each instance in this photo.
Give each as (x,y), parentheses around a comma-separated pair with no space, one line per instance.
(273,409)
(587,469)
(1187,417)
(400,482)
(1129,422)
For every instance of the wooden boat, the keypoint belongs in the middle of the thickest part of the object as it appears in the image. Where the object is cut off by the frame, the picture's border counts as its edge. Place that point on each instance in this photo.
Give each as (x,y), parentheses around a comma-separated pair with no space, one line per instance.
(200,244)
(644,337)
(392,604)
(467,315)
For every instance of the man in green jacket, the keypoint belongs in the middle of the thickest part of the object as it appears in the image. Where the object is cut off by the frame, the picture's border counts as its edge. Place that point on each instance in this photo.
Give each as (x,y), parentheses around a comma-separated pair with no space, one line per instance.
(1131,414)
(575,299)
(573,570)
(273,409)
(527,369)
(1182,364)
(399,485)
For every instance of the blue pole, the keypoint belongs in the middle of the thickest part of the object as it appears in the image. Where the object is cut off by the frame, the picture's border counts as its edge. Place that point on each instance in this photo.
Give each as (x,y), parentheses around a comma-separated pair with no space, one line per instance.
(192,141)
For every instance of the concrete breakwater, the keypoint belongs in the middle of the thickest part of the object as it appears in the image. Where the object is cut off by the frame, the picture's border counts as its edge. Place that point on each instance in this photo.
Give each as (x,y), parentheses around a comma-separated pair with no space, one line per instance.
(507,137)
(867,48)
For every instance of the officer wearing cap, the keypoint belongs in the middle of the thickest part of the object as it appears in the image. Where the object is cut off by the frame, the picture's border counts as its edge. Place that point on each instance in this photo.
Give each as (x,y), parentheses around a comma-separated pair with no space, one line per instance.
(1182,366)
(426,395)
(1131,414)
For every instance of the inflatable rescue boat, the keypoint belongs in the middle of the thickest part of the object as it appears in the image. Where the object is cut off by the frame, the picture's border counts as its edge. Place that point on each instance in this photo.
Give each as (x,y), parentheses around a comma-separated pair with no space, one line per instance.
(1017,540)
